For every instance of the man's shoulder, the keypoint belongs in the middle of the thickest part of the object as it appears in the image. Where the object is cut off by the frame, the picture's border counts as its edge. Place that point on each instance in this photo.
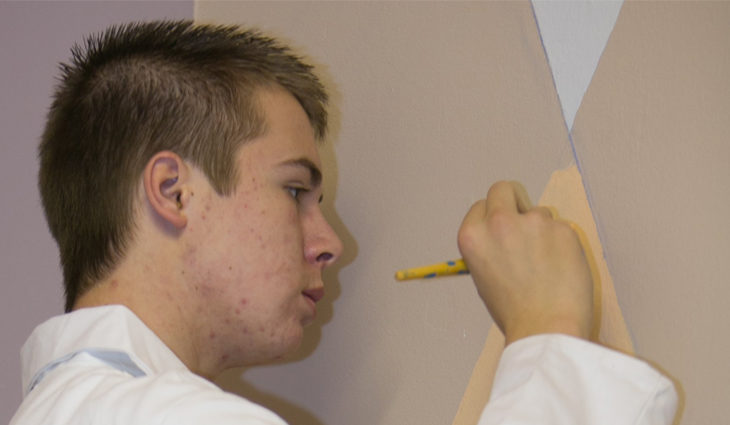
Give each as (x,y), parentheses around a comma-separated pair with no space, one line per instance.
(84,392)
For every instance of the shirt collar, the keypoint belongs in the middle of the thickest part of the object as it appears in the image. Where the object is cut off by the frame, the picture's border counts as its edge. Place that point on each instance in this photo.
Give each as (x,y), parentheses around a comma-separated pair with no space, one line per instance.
(109,328)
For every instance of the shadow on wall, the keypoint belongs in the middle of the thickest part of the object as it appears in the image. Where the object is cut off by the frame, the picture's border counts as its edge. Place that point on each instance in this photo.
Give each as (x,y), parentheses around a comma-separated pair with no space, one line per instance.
(291,413)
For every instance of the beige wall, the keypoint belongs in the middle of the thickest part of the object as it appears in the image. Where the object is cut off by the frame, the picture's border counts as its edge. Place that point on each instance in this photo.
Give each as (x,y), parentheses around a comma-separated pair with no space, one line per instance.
(436,100)
(652,136)
(433,102)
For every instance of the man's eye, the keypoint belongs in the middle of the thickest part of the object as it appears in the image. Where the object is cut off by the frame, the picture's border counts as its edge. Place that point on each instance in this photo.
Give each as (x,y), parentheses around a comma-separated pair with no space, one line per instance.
(295,192)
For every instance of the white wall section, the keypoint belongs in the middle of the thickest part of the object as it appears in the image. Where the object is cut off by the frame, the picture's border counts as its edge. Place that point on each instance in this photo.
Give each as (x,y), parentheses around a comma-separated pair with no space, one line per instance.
(574,34)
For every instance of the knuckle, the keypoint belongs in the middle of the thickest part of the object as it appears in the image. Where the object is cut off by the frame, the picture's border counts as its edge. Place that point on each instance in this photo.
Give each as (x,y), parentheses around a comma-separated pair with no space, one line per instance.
(467,237)
(537,217)
(499,186)
(500,221)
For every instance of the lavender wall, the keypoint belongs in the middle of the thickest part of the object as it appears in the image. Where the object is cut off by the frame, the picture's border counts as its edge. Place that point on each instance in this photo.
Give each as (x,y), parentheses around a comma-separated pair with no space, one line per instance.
(34,38)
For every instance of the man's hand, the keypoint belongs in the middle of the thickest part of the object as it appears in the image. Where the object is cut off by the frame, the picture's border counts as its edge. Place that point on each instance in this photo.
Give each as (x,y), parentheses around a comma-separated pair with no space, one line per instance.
(528,267)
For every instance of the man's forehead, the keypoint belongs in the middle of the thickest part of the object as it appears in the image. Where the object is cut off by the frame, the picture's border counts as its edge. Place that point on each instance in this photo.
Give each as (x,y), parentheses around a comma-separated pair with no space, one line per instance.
(287,138)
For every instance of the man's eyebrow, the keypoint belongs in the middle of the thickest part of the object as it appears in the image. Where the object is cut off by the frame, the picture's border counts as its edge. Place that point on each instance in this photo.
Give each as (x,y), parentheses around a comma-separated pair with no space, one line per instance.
(315,175)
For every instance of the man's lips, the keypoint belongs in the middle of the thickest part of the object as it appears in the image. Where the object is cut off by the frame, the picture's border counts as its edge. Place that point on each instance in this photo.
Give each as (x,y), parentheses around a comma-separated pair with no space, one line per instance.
(315,294)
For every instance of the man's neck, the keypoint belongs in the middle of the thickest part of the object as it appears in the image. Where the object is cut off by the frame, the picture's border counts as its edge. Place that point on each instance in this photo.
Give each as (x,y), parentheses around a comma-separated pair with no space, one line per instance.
(142,285)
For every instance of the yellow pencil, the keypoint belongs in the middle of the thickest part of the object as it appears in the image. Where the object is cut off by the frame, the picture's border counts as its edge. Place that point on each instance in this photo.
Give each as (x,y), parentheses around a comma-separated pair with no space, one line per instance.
(448,268)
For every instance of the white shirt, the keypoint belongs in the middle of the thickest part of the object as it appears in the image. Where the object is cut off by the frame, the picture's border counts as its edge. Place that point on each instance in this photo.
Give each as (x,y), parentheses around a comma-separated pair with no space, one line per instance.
(104,366)
(558,379)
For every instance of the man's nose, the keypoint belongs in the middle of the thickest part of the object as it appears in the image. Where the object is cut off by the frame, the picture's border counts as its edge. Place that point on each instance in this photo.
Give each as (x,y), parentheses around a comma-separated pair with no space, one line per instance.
(323,246)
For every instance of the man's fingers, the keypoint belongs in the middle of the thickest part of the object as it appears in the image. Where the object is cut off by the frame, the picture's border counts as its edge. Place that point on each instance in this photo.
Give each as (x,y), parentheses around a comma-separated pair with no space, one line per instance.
(477,213)
(508,196)
(522,199)
(547,211)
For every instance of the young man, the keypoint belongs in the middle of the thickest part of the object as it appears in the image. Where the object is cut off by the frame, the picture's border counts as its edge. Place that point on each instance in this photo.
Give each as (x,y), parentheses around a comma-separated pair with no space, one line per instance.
(181,179)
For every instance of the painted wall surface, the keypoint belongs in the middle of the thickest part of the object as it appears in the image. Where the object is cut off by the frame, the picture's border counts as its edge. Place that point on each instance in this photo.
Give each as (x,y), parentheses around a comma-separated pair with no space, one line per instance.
(34,38)
(574,34)
(652,139)
(433,102)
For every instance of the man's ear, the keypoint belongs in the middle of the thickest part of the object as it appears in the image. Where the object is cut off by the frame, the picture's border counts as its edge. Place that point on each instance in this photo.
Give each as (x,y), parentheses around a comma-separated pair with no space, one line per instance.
(166,186)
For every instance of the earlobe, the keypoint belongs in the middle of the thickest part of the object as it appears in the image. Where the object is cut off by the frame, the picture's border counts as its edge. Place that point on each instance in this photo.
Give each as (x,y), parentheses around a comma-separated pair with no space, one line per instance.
(166,187)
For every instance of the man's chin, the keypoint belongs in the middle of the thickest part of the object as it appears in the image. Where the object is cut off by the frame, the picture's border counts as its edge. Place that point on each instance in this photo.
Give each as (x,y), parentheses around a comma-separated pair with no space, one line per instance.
(289,349)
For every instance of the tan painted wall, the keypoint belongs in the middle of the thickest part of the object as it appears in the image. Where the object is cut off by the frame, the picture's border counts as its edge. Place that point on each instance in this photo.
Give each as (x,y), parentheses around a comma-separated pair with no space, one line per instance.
(652,136)
(433,101)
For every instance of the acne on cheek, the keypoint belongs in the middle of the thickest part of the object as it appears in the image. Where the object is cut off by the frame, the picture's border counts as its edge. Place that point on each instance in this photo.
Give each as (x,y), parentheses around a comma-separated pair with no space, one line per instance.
(253,233)
(242,303)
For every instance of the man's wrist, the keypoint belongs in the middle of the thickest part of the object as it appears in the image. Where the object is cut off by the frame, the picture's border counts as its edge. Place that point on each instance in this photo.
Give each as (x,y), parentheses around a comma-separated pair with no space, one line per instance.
(562,326)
